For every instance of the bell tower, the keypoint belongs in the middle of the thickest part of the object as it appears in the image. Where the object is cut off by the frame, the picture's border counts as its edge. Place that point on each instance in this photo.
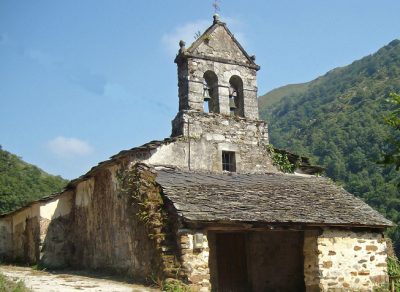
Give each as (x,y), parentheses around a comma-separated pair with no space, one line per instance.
(218,121)
(216,75)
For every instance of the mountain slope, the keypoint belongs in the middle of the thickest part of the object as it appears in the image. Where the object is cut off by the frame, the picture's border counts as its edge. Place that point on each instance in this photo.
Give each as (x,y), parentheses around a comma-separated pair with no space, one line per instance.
(267,102)
(337,120)
(21,182)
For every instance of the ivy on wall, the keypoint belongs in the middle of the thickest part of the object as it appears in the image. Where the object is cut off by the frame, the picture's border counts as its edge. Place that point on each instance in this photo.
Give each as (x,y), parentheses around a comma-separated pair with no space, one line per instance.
(281,160)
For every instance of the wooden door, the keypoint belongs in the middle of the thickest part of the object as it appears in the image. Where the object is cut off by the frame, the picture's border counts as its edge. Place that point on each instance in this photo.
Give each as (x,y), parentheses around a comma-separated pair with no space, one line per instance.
(231,262)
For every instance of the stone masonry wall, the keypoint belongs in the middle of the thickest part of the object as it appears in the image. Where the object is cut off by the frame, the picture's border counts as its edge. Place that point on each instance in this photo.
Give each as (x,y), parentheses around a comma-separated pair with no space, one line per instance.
(224,72)
(220,127)
(311,264)
(191,71)
(220,45)
(195,259)
(210,134)
(346,260)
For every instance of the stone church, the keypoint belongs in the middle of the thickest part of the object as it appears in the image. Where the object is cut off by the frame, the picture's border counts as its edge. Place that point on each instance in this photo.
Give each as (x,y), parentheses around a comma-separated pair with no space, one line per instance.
(207,206)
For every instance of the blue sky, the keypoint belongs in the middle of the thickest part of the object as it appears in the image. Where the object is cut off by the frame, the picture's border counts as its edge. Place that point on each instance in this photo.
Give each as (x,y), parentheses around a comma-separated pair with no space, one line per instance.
(82,80)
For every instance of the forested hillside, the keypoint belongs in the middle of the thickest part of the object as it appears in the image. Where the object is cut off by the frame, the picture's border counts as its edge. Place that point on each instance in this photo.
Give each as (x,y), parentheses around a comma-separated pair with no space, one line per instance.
(337,120)
(21,183)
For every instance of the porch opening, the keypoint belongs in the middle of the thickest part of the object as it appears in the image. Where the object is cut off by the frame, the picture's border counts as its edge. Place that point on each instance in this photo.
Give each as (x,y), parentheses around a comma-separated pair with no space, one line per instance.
(257,261)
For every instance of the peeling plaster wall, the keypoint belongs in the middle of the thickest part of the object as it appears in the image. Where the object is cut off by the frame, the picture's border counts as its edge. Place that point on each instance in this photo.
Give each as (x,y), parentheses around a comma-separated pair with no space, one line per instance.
(19,235)
(54,230)
(22,248)
(84,193)
(59,207)
(25,231)
(105,231)
(5,239)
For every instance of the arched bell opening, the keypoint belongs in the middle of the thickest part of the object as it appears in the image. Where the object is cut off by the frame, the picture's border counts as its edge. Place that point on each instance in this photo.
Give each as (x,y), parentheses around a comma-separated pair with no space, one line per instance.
(210,92)
(236,98)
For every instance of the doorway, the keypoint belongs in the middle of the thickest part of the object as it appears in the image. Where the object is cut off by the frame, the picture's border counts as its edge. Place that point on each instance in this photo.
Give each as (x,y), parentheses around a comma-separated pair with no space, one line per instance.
(257,261)
(232,262)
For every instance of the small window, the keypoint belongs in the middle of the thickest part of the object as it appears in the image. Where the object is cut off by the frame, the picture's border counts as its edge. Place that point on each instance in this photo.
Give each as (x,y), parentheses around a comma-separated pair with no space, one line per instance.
(228,161)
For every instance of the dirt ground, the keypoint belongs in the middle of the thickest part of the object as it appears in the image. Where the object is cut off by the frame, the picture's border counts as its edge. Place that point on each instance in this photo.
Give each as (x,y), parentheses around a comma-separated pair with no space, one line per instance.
(68,281)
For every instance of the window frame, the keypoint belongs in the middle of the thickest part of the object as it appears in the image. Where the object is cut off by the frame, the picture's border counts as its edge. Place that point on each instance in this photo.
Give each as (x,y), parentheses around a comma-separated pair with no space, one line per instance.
(229,161)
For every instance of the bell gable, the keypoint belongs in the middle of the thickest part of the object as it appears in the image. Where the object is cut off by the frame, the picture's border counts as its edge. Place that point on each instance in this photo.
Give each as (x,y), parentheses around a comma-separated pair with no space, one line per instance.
(218,43)
(216,75)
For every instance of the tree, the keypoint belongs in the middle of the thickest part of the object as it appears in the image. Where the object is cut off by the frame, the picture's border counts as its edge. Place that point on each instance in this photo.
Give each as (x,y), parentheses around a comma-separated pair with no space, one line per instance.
(392,155)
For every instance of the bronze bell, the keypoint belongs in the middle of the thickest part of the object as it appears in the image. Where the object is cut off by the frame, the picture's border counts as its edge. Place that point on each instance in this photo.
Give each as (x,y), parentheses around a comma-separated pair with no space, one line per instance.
(232,91)
(232,104)
(206,94)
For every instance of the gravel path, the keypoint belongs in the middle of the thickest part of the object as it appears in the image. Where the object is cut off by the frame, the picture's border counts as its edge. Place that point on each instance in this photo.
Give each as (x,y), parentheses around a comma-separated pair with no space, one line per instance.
(53,282)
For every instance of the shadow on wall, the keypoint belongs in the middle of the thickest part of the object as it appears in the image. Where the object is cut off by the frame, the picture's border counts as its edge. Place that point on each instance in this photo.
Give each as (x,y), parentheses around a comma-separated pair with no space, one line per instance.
(23,233)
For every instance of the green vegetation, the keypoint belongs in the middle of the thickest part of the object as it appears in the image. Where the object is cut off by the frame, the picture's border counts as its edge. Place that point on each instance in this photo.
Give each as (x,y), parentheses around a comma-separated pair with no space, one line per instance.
(21,183)
(173,285)
(338,121)
(267,101)
(281,160)
(394,271)
(392,157)
(7,285)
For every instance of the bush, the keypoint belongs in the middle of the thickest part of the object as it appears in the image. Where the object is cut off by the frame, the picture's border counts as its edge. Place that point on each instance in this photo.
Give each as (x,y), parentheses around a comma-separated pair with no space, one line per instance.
(173,285)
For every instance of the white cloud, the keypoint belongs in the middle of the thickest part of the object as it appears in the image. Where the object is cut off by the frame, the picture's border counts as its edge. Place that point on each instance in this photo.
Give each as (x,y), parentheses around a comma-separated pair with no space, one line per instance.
(68,147)
(184,32)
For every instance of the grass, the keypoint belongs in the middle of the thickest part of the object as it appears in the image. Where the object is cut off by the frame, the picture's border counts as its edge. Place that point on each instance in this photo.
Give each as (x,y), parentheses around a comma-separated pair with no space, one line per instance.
(7,285)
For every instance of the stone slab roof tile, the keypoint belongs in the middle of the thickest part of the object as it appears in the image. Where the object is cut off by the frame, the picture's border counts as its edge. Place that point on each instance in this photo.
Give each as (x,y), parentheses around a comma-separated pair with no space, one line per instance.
(266,198)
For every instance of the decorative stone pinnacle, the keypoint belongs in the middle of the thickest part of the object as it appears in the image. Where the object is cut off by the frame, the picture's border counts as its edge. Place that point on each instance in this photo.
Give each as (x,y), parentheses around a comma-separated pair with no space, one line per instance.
(182,46)
(216,18)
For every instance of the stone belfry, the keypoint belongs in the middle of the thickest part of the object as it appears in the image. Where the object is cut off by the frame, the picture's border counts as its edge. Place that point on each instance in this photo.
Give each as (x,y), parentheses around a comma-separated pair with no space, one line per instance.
(216,75)
(218,107)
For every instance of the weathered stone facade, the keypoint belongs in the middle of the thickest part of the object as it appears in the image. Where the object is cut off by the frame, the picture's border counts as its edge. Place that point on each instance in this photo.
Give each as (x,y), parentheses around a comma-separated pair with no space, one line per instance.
(338,260)
(216,52)
(195,258)
(210,134)
(169,209)
(25,231)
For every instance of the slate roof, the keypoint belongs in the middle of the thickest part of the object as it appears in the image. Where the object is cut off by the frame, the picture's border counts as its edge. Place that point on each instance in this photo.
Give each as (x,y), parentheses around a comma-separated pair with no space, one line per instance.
(113,159)
(266,198)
